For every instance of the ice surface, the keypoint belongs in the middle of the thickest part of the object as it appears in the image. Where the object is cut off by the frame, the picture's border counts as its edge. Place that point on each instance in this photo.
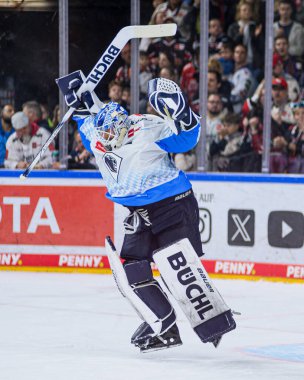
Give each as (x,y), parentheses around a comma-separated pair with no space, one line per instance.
(78,327)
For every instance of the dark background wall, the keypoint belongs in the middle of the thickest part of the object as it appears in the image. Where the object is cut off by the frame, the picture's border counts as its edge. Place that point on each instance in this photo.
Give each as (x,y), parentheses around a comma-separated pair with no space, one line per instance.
(29,46)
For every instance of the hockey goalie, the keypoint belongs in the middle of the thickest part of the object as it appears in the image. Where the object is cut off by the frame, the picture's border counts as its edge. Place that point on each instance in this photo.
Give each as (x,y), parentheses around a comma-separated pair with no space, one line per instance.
(133,156)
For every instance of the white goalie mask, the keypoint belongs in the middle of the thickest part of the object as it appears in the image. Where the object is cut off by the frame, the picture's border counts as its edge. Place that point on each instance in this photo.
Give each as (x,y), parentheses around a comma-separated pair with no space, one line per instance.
(111,125)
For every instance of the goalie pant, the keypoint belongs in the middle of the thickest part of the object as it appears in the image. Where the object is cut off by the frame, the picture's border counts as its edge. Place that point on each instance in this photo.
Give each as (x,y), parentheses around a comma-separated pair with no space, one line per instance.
(148,228)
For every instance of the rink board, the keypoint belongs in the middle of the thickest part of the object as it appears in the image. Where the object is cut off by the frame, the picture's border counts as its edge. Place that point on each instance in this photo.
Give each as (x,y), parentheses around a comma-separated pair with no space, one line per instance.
(251,226)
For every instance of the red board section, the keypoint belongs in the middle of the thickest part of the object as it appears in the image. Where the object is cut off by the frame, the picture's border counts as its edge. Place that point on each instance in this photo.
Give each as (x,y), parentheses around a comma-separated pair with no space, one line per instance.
(55,215)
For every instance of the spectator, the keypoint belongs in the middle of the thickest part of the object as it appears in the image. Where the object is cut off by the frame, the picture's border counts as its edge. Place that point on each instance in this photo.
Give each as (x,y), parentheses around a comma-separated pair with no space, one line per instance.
(296,144)
(253,128)
(215,114)
(79,157)
(165,60)
(175,46)
(291,29)
(126,98)
(282,118)
(157,18)
(213,64)
(177,10)
(229,148)
(189,81)
(46,115)
(56,116)
(278,72)
(245,31)
(258,10)
(218,9)
(115,91)
(281,111)
(167,73)
(145,74)
(291,64)
(253,110)
(214,123)
(218,86)
(123,74)
(225,58)
(300,11)
(33,111)
(216,36)
(6,129)
(25,143)
(213,81)
(192,18)
(242,80)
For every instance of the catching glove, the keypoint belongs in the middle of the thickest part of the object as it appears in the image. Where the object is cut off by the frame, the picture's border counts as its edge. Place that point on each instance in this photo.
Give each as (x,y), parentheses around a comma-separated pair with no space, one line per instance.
(167,99)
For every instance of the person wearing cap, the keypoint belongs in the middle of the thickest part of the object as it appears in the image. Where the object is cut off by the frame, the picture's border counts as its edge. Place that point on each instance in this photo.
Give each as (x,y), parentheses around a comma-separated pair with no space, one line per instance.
(278,71)
(25,143)
(281,119)
(6,129)
(281,111)
(296,144)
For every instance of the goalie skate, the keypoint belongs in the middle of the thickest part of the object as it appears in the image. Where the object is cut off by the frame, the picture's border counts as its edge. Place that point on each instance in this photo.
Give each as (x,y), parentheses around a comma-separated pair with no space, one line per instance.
(147,343)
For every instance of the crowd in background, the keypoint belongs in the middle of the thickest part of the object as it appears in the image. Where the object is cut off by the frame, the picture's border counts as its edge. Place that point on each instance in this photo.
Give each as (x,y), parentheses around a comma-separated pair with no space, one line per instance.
(235,89)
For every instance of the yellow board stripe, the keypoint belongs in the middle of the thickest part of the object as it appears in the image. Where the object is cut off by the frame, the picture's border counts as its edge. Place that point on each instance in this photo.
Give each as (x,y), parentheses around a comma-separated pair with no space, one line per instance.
(156,273)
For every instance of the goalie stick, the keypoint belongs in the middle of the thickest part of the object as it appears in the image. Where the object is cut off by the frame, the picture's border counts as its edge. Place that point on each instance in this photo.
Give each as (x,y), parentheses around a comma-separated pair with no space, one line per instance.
(100,69)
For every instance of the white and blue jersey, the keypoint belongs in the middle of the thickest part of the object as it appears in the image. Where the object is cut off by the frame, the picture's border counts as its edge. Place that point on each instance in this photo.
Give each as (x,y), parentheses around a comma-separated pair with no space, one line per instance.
(141,171)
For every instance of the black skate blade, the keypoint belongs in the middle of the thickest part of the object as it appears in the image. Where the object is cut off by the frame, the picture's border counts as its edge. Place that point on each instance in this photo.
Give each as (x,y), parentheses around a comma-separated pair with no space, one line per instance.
(217,341)
(145,350)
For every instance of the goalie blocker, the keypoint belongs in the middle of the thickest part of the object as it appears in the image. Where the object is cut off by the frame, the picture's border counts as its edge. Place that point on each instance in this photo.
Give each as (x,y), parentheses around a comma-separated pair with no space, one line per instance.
(189,283)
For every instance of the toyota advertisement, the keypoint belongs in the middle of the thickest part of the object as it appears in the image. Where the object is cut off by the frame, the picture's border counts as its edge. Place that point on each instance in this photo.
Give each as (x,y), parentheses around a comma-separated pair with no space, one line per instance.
(48,224)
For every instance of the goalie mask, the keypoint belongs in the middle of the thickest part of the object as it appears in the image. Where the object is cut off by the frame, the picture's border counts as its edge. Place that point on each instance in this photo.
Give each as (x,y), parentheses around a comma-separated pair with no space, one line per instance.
(111,125)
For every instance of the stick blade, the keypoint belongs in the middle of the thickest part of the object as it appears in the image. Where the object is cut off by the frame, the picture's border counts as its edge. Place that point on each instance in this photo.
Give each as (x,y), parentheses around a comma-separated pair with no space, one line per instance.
(153,31)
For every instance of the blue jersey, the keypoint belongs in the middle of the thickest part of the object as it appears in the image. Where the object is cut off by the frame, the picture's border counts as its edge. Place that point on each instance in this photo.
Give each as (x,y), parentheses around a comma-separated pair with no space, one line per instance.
(141,171)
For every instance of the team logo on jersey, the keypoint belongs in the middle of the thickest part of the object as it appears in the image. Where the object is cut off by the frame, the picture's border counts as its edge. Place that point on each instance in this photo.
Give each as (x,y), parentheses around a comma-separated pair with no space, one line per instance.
(112,163)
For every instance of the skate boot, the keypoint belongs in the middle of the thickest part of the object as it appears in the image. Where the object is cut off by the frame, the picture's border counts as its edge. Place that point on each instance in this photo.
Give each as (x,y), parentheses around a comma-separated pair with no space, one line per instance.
(147,341)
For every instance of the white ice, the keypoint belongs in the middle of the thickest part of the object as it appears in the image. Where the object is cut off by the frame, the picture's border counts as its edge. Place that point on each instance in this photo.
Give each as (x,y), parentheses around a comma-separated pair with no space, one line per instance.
(78,327)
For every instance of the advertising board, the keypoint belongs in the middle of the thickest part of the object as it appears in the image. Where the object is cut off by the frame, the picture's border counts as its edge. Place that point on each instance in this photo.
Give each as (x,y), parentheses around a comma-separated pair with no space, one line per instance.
(250,227)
